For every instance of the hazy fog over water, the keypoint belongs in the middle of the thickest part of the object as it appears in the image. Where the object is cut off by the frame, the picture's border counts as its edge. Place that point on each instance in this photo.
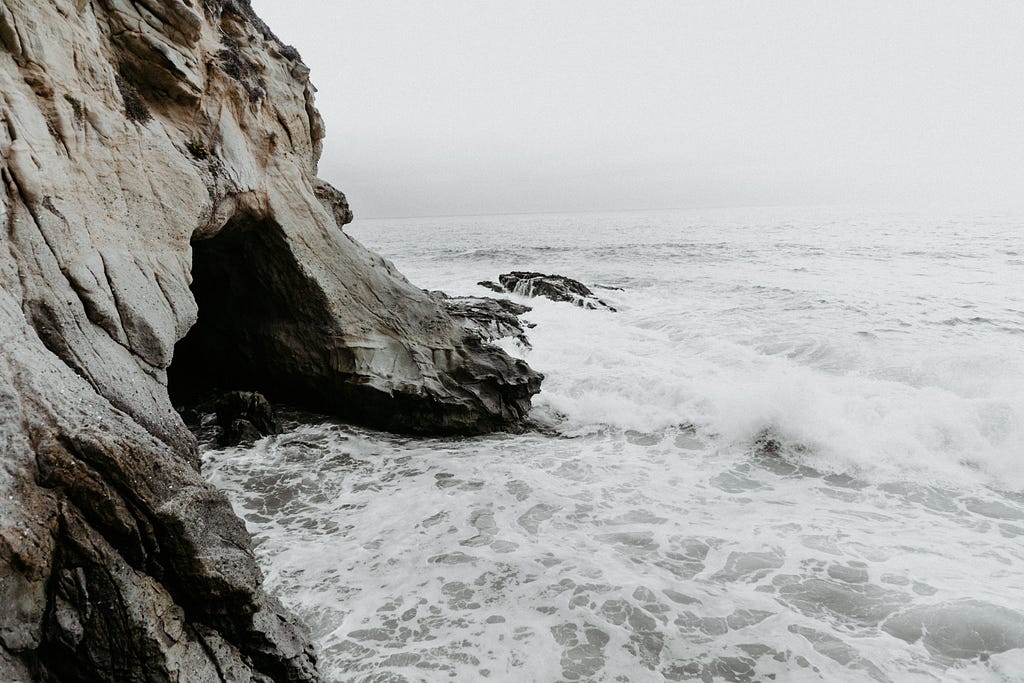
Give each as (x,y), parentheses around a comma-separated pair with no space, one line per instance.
(501,107)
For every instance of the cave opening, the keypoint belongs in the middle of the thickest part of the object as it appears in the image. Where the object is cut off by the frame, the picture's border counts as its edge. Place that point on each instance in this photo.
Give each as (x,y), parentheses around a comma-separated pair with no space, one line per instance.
(257,322)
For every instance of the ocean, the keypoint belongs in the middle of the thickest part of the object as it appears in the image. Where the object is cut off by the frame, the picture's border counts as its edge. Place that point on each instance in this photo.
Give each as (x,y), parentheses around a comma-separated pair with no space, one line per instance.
(794,453)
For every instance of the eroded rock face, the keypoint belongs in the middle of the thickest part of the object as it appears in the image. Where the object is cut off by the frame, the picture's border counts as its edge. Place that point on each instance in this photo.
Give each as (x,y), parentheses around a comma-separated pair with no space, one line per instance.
(491,319)
(118,559)
(148,149)
(355,339)
(554,287)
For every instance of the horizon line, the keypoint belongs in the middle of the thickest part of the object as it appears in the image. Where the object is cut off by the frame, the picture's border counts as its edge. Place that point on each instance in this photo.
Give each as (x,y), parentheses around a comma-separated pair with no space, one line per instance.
(591,211)
(888,206)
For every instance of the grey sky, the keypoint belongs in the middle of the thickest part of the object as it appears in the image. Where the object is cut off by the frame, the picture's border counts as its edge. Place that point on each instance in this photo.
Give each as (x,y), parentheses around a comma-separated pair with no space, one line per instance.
(476,106)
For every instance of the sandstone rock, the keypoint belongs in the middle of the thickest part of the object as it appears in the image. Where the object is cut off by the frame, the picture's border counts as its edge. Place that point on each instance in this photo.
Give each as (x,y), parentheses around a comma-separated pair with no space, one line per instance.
(115,554)
(554,287)
(490,319)
(334,201)
(163,223)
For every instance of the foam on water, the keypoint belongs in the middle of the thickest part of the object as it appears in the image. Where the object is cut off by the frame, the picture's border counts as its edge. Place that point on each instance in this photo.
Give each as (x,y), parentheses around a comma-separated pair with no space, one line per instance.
(795,451)
(888,346)
(842,402)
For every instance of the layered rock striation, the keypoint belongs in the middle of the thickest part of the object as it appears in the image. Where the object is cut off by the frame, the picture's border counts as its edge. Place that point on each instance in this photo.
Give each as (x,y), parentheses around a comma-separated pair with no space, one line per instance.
(488,318)
(164,233)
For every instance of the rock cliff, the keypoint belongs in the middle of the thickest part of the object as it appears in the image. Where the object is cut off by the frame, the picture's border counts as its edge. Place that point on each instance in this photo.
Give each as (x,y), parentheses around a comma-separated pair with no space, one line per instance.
(164,227)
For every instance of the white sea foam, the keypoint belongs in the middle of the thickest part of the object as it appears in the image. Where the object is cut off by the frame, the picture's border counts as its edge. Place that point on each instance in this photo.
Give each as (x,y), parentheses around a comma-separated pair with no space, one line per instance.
(795,451)
(947,419)
(888,346)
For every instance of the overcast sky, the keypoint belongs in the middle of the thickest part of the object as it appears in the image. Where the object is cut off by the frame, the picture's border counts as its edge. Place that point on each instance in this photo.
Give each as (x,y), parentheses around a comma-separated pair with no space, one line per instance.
(478,106)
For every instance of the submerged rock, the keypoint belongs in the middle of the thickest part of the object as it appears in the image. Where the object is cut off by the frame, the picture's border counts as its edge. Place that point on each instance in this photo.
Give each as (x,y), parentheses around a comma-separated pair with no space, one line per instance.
(554,287)
(164,228)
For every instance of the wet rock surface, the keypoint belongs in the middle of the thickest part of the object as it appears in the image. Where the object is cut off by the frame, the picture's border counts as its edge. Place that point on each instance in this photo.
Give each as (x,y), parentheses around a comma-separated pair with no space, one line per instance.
(491,319)
(158,184)
(111,537)
(244,416)
(554,287)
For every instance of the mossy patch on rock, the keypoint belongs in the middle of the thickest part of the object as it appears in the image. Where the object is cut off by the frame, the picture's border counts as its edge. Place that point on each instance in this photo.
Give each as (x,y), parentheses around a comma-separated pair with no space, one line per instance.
(135,107)
(242,69)
(197,149)
(76,107)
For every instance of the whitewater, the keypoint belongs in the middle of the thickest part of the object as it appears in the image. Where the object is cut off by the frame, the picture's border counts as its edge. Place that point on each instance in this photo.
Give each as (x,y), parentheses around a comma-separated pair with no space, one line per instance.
(795,452)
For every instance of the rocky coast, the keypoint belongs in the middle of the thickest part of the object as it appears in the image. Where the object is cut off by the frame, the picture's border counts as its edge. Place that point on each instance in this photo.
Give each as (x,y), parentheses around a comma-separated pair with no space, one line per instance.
(165,234)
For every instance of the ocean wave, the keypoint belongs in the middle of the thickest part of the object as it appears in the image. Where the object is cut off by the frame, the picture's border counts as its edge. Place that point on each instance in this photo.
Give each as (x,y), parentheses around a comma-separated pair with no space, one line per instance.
(946,422)
(724,482)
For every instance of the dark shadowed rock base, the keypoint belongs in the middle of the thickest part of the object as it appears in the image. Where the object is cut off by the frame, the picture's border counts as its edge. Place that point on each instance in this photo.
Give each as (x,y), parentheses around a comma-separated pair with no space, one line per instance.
(244,417)
(395,358)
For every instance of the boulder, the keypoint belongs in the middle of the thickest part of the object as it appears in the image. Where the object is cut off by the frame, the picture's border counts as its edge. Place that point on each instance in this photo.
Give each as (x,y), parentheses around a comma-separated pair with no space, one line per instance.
(244,417)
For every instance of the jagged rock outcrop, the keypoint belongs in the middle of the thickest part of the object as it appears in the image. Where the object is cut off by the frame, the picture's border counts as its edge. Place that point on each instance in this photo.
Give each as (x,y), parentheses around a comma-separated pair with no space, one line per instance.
(491,319)
(158,162)
(554,287)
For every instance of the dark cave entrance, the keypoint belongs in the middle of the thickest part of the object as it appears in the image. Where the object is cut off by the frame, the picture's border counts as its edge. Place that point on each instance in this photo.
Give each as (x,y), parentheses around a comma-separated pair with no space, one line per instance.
(257,323)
